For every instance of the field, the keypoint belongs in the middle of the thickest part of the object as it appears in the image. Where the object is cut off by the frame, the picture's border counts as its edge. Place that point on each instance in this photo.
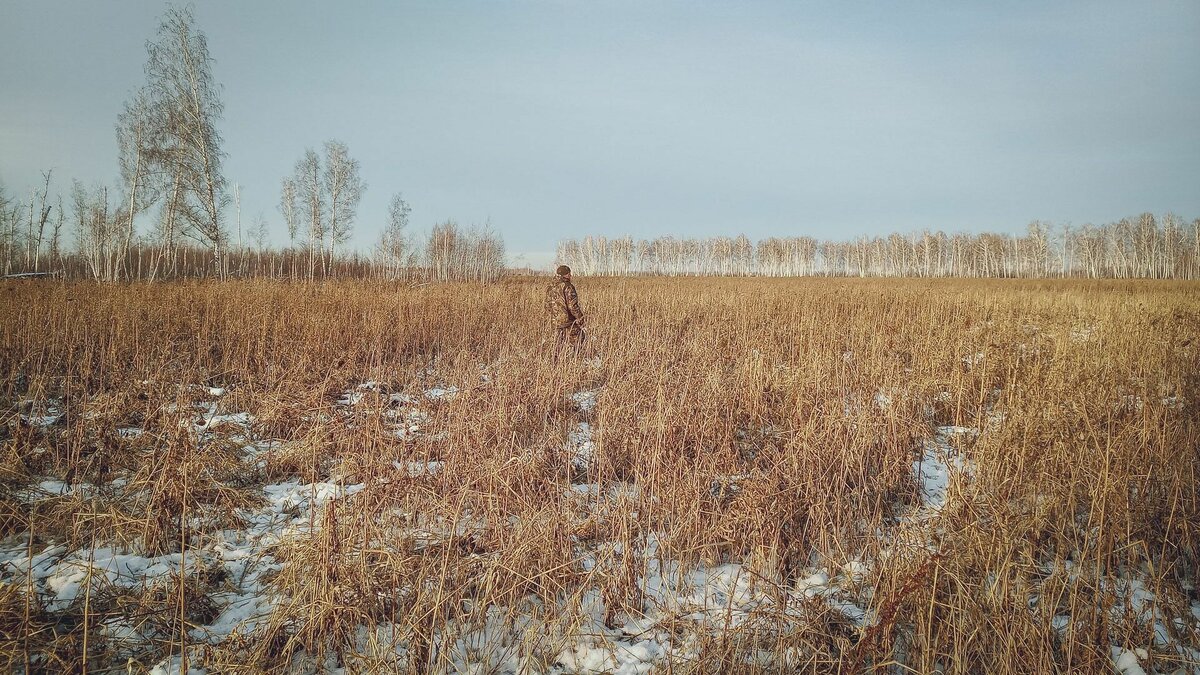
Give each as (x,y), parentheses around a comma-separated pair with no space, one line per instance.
(736,475)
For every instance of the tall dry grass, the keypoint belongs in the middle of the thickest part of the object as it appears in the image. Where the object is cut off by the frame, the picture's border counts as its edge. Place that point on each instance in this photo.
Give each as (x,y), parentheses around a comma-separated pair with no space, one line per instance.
(773,423)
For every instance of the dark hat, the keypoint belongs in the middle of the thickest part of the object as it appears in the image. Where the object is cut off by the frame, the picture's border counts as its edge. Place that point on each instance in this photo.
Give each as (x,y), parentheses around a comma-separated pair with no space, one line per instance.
(562,270)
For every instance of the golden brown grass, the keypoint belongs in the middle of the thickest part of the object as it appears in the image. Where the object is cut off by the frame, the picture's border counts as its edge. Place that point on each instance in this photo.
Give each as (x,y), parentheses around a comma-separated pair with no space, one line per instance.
(771,423)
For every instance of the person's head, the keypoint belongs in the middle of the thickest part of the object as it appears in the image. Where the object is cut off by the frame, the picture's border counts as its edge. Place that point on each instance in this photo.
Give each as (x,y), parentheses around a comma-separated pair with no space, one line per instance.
(563,271)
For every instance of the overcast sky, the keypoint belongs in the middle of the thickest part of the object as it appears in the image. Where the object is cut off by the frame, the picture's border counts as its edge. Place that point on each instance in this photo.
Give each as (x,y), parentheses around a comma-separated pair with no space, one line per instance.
(560,119)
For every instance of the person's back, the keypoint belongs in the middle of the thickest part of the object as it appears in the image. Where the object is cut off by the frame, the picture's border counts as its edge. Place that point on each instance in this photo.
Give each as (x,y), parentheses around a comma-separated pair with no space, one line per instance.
(562,306)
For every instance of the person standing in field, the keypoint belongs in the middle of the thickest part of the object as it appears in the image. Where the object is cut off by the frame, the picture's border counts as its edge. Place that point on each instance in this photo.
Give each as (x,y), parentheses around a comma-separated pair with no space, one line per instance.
(562,304)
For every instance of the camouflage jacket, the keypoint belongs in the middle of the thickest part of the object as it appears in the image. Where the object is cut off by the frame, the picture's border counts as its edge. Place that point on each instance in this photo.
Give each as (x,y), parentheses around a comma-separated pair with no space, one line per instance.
(562,303)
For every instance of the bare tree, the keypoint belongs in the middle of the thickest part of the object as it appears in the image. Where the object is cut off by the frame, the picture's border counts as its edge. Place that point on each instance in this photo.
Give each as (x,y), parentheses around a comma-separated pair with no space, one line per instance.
(237,209)
(56,252)
(443,249)
(8,222)
(1193,268)
(343,188)
(393,247)
(287,208)
(259,234)
(138,127)
(311,198)
(485,259)
(36,232)
(185,99)
(97,233)
(166,256)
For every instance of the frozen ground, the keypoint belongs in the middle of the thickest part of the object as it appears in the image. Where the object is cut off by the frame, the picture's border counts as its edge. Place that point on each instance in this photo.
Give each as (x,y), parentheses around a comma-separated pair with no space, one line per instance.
(703,600)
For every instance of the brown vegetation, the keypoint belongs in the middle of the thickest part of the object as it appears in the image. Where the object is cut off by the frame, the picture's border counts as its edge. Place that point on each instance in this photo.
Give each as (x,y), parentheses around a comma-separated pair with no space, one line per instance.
(769,423)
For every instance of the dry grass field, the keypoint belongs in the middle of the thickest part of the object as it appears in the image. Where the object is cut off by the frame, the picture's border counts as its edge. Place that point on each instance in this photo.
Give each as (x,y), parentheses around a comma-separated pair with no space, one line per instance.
(736,475)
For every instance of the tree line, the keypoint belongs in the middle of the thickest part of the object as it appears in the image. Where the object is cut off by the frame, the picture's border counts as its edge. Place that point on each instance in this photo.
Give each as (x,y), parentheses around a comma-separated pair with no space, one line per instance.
(82,238)
(173,214)
(1145,247)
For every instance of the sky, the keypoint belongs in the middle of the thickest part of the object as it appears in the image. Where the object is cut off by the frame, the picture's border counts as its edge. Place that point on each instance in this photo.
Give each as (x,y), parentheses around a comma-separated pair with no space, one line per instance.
(557,119)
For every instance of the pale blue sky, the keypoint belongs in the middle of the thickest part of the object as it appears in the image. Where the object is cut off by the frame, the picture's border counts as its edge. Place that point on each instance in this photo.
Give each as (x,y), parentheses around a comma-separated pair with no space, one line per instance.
(558,119)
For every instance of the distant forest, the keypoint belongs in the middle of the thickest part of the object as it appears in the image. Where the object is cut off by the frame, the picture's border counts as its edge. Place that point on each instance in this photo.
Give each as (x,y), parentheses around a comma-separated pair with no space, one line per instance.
(1145,247)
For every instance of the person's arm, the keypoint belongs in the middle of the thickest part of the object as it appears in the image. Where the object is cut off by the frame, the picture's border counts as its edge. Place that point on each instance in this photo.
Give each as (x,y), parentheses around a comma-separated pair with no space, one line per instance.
(572,299)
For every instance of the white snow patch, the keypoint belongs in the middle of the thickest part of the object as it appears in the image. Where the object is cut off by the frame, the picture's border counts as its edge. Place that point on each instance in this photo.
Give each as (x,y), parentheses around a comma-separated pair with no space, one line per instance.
(415,469)
(580,446)
(585,400)
(441,393)
(1127,662)
(41,413)
(934,470)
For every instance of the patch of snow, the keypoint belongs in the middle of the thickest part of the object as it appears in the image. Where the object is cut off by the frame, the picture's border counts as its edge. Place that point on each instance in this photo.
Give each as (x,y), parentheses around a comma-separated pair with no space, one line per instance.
(972,360)
(56,488)
(415,469)
(401,399)
(882,400)
(585,400)
(41,413)
(441,393)
(580,446)
(949,431)
(174,665)
(812,585)
(939,463)
(293,495)
(590,656)
(1129,402)
(618,490)
(1127,662)
(855,571)
(1083,333)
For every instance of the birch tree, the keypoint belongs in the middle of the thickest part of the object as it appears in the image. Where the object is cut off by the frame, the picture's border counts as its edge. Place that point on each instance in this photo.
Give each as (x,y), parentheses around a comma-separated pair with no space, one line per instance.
(288,209)
(186,101)
(311,198)
(137,141)
(37,224)
(343,189)
(96,232)
(393,241)
(8,219)
(443,249)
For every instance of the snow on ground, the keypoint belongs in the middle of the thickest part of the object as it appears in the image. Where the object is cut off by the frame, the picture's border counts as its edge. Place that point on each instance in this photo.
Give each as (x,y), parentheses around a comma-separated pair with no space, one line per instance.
(711,599)
(939,464)
(415,469)
(585,400)
(580,446)
(403,414)
(441,393)
(62,578)
(41,414)
(1128,662)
